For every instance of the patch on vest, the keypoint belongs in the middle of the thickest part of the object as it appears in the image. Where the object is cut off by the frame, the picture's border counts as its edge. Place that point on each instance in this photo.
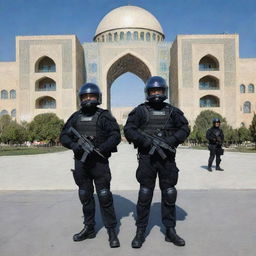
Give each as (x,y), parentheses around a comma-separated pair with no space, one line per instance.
(86,118)
(158,113)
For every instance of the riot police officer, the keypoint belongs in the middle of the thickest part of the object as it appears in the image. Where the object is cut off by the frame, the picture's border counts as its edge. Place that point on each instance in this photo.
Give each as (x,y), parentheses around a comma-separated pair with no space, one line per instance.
(103,133)
(216,137)
(156,128)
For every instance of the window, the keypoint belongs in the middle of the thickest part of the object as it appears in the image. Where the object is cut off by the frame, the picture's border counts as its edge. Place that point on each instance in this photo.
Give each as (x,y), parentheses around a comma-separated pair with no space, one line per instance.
(102,38)
(148,36)
(45,103)
(142,36)
(247,107)
(208,62)
(12,94)
(121,35)
(4,112)
(136,35)
(115,36)
(242,88)
(46,64)
(209,101)
(208,83)
(154,37)
(128,35)
(163,66)
(109,38)
(4,94)
(46,84)
(13,113)
(251,88)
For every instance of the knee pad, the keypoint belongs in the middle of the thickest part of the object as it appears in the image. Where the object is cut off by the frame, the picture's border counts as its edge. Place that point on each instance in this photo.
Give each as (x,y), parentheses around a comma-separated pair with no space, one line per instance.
(105,197)
(84,196)
(145,196)
(169,196)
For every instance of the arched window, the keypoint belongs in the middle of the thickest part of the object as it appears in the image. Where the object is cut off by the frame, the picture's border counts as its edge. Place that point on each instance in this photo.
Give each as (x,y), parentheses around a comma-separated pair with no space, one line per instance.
(242,88)
(128,36)
(158,38)
(251,88)
(12,94)
(46,84)
(208,62)
(148,36)
(102,38)
(154,37)
(136,35)
(209,83)
(13,113)
(115,36)
(4,112)
(247,107)
(45,64)
(45,102)
(4,94)
(121,35)
(142,36)
(109,38)
(209,101)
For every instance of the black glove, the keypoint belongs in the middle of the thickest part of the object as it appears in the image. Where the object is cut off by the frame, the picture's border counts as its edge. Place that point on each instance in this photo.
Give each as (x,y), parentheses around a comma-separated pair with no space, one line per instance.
(147,142)
(172,141)
(78,151)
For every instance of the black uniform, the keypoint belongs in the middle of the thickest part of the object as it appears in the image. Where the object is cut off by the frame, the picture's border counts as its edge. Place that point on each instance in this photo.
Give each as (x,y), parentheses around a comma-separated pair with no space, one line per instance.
(102,128)
(170,124)
(216,137)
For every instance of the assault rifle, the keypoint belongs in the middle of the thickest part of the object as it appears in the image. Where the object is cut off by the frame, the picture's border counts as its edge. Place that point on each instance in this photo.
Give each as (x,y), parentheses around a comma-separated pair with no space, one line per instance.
(85,143)
(158,145)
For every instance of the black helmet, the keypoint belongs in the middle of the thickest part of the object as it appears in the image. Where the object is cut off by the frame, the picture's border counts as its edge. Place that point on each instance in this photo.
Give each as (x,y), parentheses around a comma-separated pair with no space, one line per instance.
(90,88)
(156,82)
(215,120)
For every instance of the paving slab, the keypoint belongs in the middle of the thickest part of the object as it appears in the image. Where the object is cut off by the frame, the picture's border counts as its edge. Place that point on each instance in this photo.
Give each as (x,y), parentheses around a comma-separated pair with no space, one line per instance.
(213,222)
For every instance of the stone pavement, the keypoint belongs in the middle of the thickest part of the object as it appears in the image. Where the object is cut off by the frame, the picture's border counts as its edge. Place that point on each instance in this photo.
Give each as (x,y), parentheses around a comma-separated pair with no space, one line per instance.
(213,222)
(40,209)
(52,171)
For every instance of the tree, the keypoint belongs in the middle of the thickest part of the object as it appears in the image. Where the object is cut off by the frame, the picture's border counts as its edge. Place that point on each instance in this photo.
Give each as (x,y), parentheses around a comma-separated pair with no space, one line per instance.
(45,127)
(14,133)
(252,129)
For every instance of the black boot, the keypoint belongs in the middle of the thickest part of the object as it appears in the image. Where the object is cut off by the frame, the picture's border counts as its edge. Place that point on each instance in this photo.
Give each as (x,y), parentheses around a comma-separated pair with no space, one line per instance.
(139,238)
(113,239)
(209,168)
(86,233)
(219,169)
(171,236)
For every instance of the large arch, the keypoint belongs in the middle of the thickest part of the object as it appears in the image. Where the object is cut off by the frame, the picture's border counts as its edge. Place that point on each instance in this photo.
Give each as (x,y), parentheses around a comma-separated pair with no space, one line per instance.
(126,63)
(45,64)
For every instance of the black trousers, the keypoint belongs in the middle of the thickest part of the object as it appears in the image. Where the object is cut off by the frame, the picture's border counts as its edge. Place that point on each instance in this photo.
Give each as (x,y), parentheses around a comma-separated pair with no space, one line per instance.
(214,151)
(97,171)
(167,171)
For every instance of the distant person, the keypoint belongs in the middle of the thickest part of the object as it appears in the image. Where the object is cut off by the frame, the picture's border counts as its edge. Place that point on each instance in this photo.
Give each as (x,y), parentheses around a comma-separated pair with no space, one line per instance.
(156,128)
(102,135)
(216,137)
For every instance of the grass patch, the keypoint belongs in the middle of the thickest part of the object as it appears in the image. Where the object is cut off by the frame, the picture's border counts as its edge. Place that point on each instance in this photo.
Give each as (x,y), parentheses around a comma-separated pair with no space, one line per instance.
(15,151)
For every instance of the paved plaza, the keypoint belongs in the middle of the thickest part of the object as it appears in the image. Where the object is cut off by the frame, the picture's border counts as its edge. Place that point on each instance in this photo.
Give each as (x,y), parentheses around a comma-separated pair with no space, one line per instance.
(40,209)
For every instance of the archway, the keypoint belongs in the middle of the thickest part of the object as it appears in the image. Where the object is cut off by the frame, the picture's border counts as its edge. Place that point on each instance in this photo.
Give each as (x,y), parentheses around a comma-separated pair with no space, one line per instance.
(127,63)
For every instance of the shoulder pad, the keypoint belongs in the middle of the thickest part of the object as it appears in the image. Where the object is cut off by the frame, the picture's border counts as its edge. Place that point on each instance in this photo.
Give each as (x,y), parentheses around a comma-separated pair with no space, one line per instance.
(107,114)
(178,111)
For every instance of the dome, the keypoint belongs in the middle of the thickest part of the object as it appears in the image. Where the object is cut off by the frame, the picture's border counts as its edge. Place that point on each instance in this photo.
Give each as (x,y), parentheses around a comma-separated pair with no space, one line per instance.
(131,17)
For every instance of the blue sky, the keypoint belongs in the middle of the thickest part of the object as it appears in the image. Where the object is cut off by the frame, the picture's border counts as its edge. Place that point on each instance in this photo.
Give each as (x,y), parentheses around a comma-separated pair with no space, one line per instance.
(81,17)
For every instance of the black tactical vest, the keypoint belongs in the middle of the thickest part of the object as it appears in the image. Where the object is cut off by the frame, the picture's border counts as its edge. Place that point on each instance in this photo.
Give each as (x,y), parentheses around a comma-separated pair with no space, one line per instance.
(159,122)
(88,126)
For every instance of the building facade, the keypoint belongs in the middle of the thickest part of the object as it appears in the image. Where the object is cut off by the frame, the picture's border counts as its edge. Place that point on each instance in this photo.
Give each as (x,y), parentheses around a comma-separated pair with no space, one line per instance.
(203,71)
